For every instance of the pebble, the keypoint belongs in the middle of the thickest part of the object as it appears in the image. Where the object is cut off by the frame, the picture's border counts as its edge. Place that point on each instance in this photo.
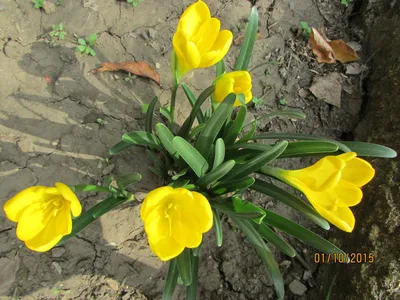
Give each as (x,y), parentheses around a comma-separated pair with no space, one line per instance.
(297,288)
(286,264)
(55,142)
(116,76)
(57,252)
(107,170)
(158,66)
(57,267)
(49,7)
(307,275)
(152,33)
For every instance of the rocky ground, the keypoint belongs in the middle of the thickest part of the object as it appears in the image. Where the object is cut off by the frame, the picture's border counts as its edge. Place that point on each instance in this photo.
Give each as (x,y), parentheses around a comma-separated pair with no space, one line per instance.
(51,103)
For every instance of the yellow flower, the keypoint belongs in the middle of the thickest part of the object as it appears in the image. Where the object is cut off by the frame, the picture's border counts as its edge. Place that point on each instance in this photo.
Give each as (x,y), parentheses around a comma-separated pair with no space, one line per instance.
(175,219)
(198,41)
(238,82)
(43,215)
(332,185)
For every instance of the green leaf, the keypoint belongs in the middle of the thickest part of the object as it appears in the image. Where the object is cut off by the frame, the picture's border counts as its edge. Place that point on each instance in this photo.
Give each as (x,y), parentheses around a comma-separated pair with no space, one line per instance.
(183,261)
(52,33)
(290,200)
(149,115)
(187,125)
(367,149)
(61,26)
(87,50)
(119,147)
(82,42)
(308,148)
(62,35)
(236,127)
(81,48)
(243,60)
(180,174)
(257,162)
(305,27)
(89,188)
(128,179)
(283,101)
(269,235)
(220,68)
(249,134)
(142,138)
(214,125)
(166,137)
(57,33)
(219,154)
(145,106)
(156,160)
(234,185)
(195,131)
(217,227)
(171,280)
(297,136)
(191,290)
(166,113)
(157,171)
(243,206)
(92,52)
(257,101)
(265,254)
(228,209)
(192,100)
(291,113)
(92,39)
(216,174)
(192,157)
(299,232)
(252,146)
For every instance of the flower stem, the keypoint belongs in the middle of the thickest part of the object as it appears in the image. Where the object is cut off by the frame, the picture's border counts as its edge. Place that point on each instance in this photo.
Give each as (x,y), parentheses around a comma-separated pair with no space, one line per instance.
(173,100)
(271,171)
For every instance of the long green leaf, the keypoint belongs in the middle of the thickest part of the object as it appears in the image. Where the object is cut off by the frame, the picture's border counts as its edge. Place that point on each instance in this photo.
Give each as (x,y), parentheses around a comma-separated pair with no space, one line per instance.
(128,179)
(257,162)
(195,131)
(249,134)
(191,290)
(367,149)
(228,209)
(119,147)
(183,261)
(156,160)
(297,136)
(192,157)
(290,200)
(89,188)
(219,154)
(220,68)
(166,137)
(291,113)
(236,127)
(242,206)
(214,125)
(216,174)
(142,138)
(187,125)
(149,115)
(309,148)
(253,146)
(192,99)
(234,185)
(171,280)
(265,254)
(250,36)
(217,227)
(300,233)
(269,235)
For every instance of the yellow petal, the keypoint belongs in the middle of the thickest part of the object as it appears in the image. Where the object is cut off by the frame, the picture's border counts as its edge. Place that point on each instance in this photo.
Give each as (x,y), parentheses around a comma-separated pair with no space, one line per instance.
(165,248)
(207,35)
(68,194)
(185,235)
(218,50)
(347,156)
(153,199)
(157,225)
(342,218)
(223,87)
(192,55)
(204,213)
(348,194)
(33,220)
(358,171)
(17,204)
(193,17)
(56,228)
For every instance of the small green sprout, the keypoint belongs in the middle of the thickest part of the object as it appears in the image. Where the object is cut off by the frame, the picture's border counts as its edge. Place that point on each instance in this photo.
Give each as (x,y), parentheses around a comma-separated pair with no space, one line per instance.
(283,101)
(101,121)
(38,3)
(258,102)
(58,31)
(86,46)
(346,2)
(134,3)
(145,107)
(130,77)
(305,29)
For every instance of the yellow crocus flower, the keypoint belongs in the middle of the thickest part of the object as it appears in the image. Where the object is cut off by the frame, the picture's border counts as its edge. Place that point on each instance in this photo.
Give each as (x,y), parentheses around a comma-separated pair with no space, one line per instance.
(43,214)
(175,219)
(198,41)
(332,185)
(238,82)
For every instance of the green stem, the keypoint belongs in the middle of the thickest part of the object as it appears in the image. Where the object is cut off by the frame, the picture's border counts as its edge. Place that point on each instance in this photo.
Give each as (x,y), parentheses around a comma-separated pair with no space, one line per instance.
(173,100)
(271,171)
(191,290)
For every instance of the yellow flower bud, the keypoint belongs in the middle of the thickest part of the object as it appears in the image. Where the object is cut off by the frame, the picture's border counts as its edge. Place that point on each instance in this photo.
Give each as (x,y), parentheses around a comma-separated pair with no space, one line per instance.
(198,41)
(43,215)
(238,82)
(175,219)
(332,185)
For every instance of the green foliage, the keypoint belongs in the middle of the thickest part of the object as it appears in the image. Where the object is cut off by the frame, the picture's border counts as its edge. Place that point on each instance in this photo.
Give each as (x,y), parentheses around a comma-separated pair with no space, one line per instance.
(134,3)
(58,31)
(305,29)
(38,3)
(346,2)
(85,46)
(130,79)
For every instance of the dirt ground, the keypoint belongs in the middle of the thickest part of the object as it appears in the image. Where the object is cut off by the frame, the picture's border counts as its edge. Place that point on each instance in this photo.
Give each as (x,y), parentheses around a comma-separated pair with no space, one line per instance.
(50,102)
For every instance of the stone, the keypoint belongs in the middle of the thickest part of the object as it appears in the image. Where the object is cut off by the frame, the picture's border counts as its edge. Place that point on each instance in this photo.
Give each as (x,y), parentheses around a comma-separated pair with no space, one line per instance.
(55,142)
(303,93)
(49,7)
(307,275)
(152,33)
(107,170)
(56,267)
(57,252)
(328,88)
(158,66)
(297,288)
(355,68)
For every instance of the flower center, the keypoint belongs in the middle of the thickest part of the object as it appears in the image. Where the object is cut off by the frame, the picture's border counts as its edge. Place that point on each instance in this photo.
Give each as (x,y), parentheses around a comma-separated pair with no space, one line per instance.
(237,89)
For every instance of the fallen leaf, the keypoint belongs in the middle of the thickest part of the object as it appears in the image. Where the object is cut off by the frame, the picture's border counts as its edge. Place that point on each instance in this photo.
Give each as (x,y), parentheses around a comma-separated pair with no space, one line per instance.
(327,88)
(343,52)
(240,38)
(139,68)
(355,69)
(320,47)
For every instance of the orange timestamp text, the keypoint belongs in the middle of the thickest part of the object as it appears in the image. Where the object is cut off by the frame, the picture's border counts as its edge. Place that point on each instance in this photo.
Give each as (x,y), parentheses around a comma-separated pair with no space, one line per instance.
(344,258)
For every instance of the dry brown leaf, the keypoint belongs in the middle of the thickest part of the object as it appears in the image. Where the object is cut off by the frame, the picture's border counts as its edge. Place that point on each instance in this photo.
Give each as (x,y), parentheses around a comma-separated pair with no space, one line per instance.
(328,88)
(343,52)
(320,47)
(240,38)
(139,68)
